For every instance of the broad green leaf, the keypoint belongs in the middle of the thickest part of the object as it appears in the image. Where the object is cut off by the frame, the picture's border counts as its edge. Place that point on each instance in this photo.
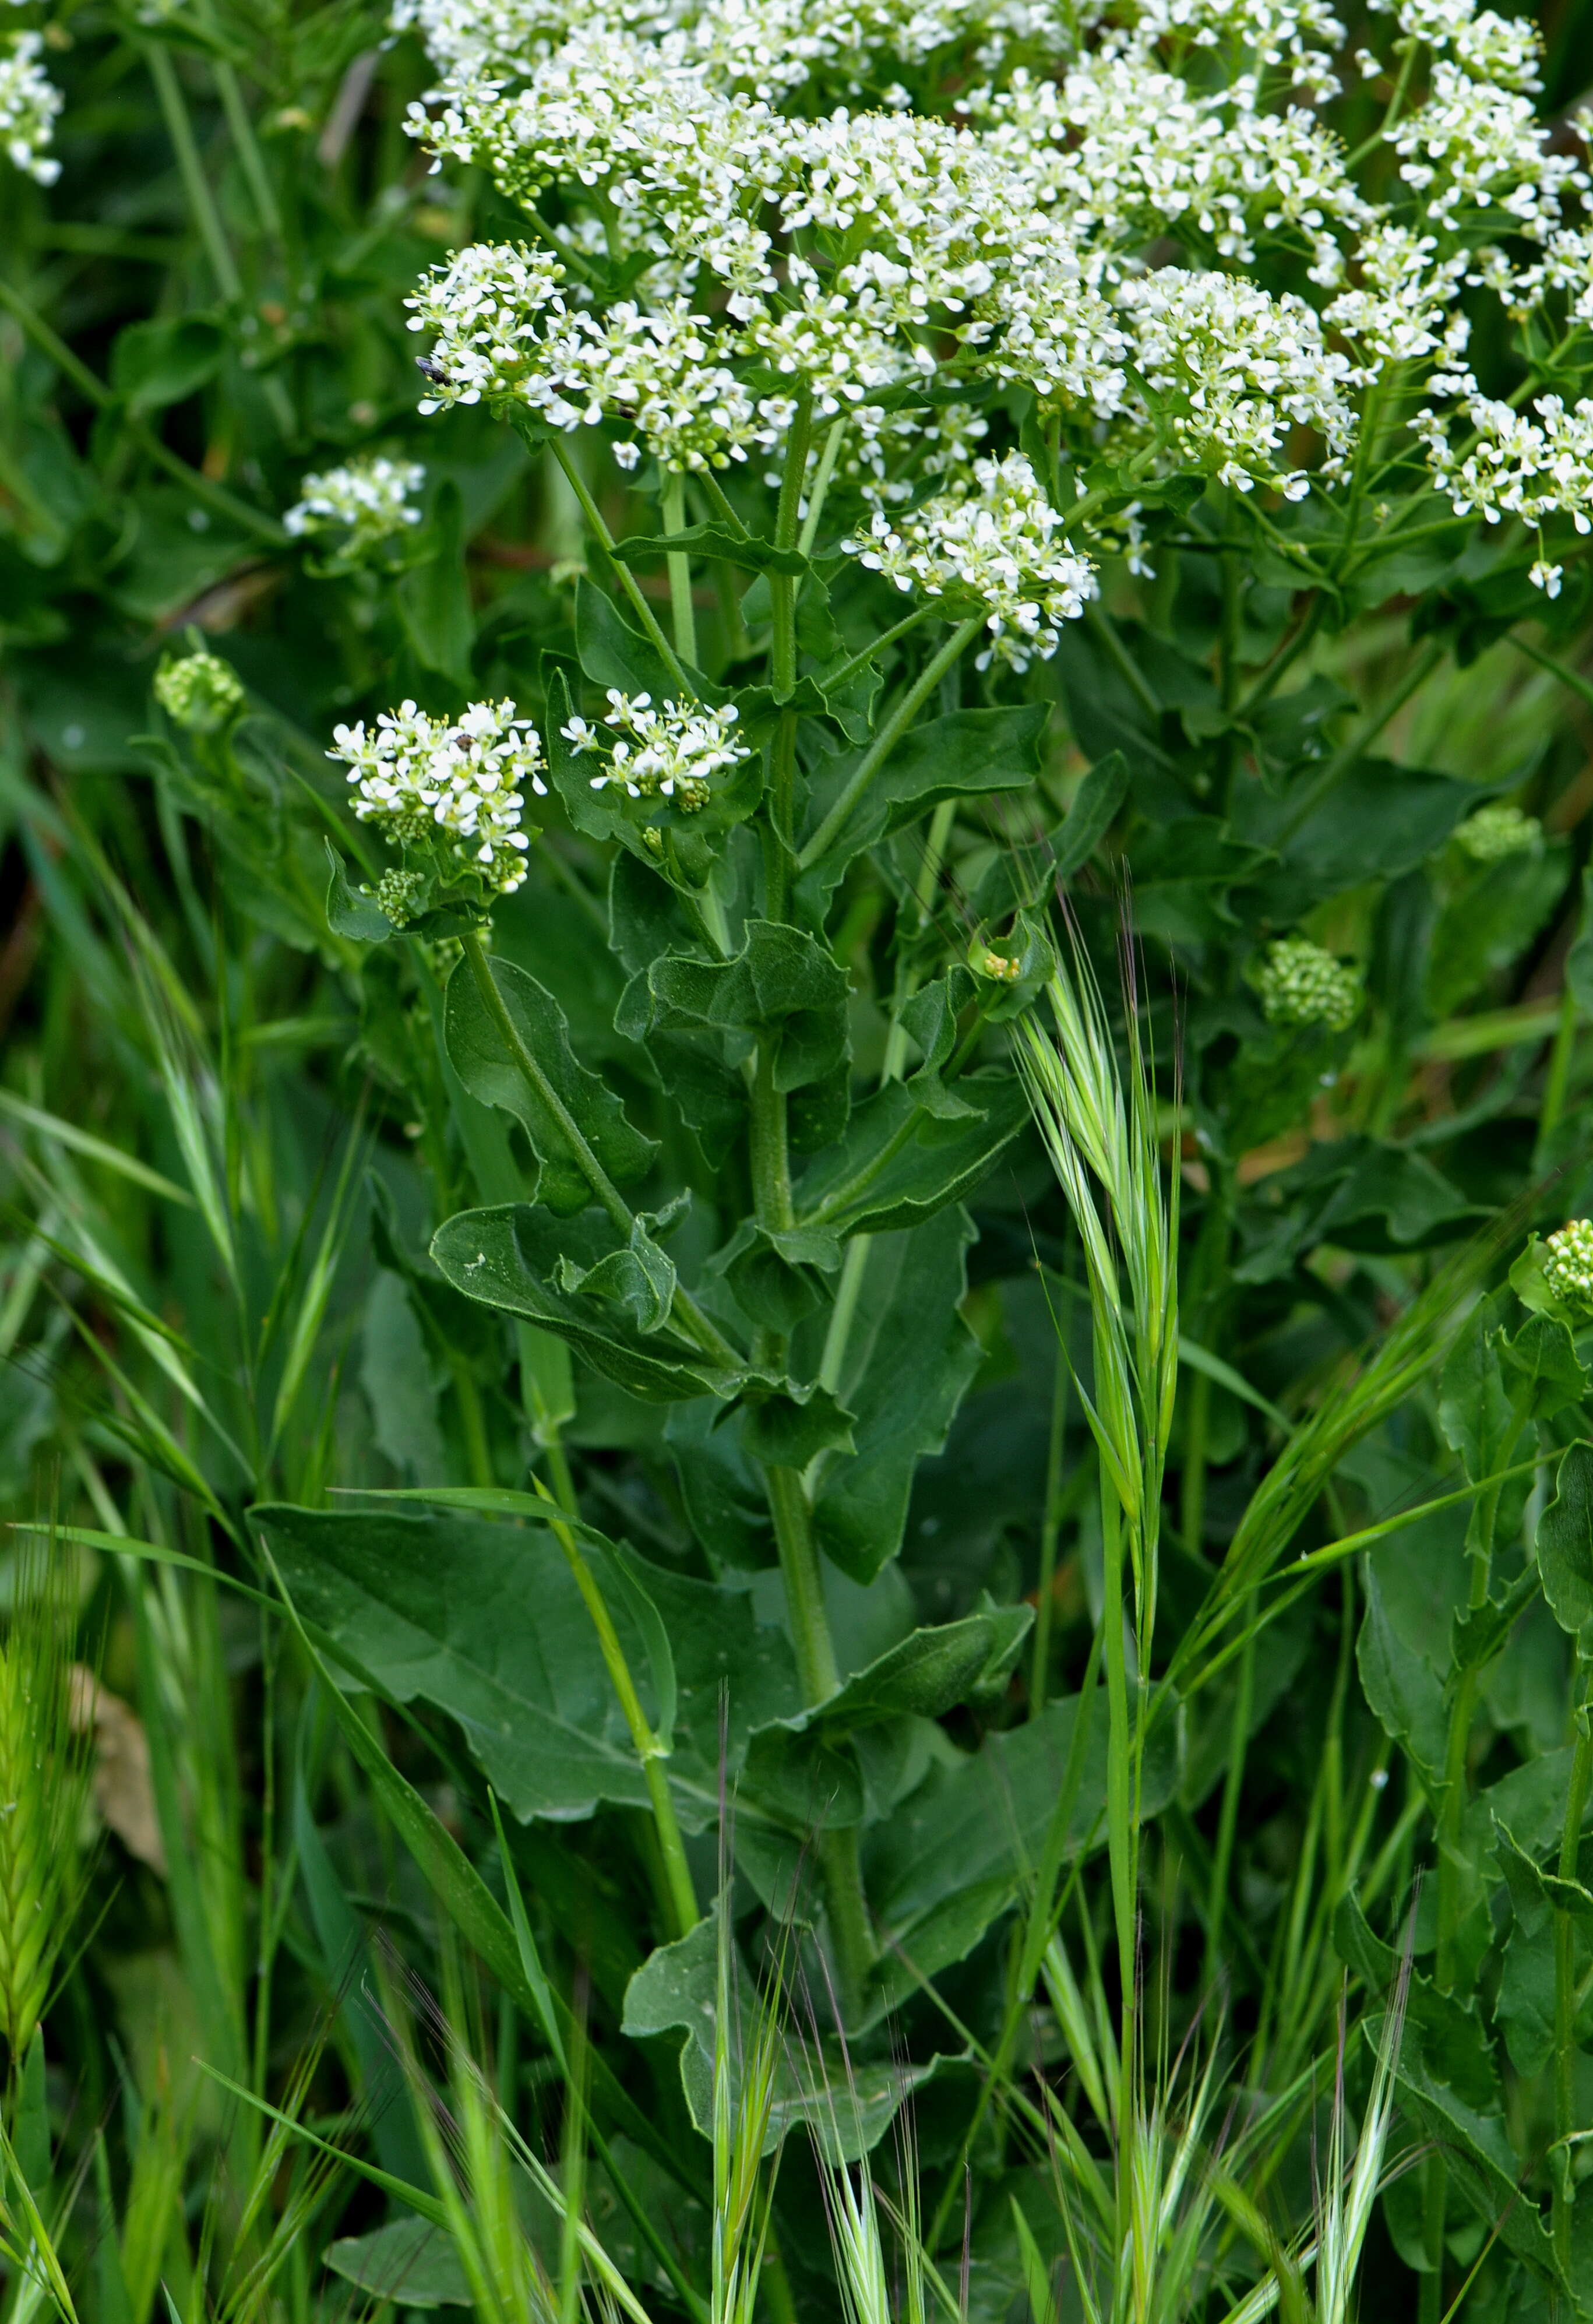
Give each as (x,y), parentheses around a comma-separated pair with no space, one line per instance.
(1095,805)
(1377,821)
(1402,1687)
(348,912)
(1478,2156)
(612,654)
(434,595)
(846,2103)
(484,1621)
(787,1430)
(1487,921)
(927,1673)
(163,361)
(909,1358)
(967,754)
(396,1374)
(777,1274)
(716,540)
(512,1257)
(724,1495)
(899,1164)
(1565,1542)
(1543,1368)
(637,1276)
(956,1852)
(929,1019)
(780,982)
(482,1059)
(408,2262)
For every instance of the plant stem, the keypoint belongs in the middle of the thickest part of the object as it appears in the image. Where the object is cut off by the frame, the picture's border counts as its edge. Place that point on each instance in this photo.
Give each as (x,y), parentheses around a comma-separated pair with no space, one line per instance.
(889,736)
(1050,1533)
(196,185)
(821,486)
(1559,1061)
(682,614)
(1565,1984)
(684,1308)
(627,580)
(211,495)
(649,1748)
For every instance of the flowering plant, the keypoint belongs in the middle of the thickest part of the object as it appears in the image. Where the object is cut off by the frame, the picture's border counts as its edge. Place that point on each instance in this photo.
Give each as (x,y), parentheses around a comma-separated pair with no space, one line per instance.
(933,646)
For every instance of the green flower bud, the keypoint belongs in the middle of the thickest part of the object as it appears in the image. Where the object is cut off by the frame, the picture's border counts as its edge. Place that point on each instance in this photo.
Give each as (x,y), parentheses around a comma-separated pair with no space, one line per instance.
(1568,1265)
(200,693)
(398,893)
(1498,830)
(1302,984)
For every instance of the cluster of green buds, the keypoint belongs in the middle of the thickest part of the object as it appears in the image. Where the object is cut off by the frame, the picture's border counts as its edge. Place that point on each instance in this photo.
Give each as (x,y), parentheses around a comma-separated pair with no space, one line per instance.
(400,894)
(1568,1265)
(1498,830)
(1300,984)
(199,692)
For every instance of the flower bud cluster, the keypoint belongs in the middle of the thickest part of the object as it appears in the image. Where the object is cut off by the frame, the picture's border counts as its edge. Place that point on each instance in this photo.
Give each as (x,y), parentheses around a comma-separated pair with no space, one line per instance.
(999,542)
(1567,1264)
(463,781)
(1497,830)
(30,102)
(200,693)
(670,750)
(1300,984)
(369,498)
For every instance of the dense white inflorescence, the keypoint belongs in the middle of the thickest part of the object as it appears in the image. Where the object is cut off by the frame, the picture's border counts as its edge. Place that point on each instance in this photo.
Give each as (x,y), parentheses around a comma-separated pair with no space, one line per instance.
(369,500)
(997,539)
(461,782)
(670,750)
(751,218)
(30,102)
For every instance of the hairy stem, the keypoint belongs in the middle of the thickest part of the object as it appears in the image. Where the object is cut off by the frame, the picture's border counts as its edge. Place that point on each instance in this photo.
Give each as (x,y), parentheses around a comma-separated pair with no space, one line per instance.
(889,735)
(627,580)
(682,614)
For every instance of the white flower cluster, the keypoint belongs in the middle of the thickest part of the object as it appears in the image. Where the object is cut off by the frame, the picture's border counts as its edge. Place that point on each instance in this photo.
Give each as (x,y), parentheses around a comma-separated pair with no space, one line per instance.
(418,778)
(369,498)
(997,542)
(1518,467)
(1498,830)
(200,693)
(1567,1264)
(1079,200)
(1233,370)
(668,751)
(30,102)
(1300,984)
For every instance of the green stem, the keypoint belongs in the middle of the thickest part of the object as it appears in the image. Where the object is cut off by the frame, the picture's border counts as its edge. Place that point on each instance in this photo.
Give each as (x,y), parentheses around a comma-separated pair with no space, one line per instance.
(1102,626)
(821,486)
(627,580)
(1050,1533)
(649,1748)
(889,736)
(849,669)
(212,496)
(1560,1062)
(1229,1814)
(196,185)
(1366,732)
(682,614)
(684,1309)
(1565,1988)
(1580,687)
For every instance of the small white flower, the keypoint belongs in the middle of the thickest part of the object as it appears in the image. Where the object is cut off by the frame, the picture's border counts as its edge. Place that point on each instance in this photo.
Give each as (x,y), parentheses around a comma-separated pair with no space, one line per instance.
(670,751)
(369,498)
(418,778)
(30,104)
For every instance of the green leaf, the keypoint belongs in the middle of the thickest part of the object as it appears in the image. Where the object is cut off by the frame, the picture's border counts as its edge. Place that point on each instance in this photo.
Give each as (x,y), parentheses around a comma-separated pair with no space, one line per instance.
(1401,1686)
(780,982)
(485,1621)
(479,1055)
(1544,1367)
(409,2261)
(1377,821)
(1478,2156)
(1095,806)
(775,1273)
(899,1164)
(160,363)
(910,1359)
(1578,962)
(348,912)
(717,540)
(396,1374)
(638,1277)
(1565,1542)
(929,1019)
(612,653)
(848,2104)
(787,1429)
(515,1257)
(957,1850)
(968,754)
(434,595)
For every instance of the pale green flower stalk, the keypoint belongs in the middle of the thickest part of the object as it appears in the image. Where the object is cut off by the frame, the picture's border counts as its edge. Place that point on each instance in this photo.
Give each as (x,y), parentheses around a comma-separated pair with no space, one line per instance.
(1100,1129)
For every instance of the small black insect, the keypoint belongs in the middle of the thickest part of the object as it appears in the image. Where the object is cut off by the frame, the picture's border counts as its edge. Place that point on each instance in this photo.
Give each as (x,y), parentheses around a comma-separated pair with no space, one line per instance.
(434,371)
